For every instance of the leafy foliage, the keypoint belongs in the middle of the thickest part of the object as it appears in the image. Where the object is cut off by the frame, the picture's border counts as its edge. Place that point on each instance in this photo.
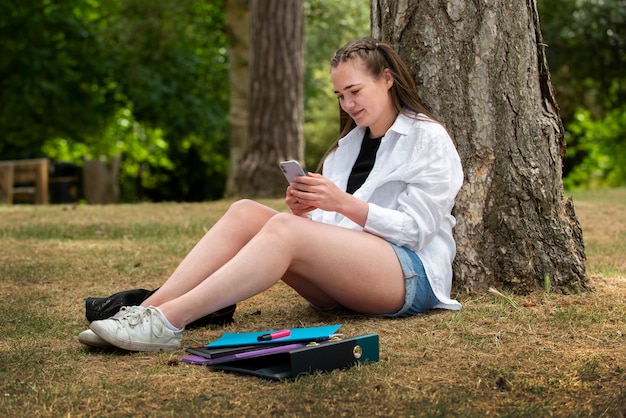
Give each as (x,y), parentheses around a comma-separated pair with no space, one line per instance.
(601,143)
(586,51)
(51,74)
(174,72)
(587,55)
(95,78)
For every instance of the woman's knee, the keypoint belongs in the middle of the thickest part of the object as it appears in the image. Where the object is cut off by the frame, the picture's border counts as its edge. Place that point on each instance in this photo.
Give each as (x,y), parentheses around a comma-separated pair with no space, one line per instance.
(283,224)
(283,220)
(249,209)
(243,206)
(248,217)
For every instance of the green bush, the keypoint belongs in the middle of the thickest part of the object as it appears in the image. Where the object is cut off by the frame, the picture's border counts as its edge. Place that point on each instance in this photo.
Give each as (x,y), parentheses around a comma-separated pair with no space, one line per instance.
(599,145)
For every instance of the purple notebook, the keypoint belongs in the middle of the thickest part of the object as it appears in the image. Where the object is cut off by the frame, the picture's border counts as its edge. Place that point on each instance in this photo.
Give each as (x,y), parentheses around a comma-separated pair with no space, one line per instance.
(194,359)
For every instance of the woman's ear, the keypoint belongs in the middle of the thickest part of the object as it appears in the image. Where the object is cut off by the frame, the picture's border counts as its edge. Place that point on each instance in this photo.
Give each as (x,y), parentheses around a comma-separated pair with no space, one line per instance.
(388,78)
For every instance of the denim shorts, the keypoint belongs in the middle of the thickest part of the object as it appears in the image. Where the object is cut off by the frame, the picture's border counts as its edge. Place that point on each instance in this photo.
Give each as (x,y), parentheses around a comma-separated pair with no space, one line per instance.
(419,296)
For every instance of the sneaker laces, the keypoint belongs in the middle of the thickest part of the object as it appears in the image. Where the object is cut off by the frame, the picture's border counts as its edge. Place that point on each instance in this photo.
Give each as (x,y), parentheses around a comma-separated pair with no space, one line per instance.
(138,315)
(125,310)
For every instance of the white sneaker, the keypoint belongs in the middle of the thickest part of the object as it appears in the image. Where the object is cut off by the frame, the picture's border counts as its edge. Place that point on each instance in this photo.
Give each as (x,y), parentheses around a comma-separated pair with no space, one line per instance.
(91,339)
(138,329)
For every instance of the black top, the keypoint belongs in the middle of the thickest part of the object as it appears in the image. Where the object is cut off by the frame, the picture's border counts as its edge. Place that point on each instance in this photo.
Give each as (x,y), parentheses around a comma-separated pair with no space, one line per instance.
(364,163)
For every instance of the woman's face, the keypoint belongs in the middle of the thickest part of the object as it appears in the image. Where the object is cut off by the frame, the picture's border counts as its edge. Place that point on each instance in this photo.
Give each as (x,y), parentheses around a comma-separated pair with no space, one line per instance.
(364,98)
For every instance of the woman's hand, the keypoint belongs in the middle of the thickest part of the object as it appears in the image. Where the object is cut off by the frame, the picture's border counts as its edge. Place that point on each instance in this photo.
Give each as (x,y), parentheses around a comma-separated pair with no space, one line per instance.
(315,191)
(297,207)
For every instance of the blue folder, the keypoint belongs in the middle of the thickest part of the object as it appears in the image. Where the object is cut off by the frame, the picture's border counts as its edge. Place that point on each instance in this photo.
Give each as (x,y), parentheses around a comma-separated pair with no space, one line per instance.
(229,339)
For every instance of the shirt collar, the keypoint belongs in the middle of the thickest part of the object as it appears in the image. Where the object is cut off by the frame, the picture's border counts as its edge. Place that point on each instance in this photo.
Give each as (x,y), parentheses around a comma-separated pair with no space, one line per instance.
(401,125)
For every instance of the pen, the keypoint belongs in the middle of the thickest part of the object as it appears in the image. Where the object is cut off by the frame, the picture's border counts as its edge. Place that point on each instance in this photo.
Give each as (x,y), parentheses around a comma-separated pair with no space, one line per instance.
(274,335)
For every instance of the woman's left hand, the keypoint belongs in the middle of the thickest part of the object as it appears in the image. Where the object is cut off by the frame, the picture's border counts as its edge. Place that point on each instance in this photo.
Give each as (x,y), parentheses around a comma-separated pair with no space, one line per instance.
(315,191)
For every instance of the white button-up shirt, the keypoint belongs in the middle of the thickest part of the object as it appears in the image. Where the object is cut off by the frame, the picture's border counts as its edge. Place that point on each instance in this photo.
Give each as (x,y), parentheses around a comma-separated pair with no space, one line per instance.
(410,192)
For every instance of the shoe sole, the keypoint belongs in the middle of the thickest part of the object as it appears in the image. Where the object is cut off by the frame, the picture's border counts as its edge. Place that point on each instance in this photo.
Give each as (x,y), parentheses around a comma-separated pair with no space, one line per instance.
(91,339)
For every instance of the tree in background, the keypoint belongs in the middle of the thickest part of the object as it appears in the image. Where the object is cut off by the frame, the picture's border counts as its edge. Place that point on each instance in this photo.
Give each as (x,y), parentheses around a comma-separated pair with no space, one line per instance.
(146,79)
(328,25)
(276,100)
(480,67)
(238,32)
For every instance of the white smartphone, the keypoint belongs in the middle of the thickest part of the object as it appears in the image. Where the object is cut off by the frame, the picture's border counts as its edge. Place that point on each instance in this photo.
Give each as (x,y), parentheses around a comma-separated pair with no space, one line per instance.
(291,169)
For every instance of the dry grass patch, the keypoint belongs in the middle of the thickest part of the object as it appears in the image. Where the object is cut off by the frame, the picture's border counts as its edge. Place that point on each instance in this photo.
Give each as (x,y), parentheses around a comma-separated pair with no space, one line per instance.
(552,355)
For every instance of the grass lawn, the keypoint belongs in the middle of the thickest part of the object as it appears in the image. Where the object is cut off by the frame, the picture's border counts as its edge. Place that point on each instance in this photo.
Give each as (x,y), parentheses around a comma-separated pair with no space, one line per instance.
(543,355)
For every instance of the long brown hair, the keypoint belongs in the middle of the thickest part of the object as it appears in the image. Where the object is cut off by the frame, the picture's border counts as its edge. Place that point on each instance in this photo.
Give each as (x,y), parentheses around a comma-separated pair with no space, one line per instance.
(377,56)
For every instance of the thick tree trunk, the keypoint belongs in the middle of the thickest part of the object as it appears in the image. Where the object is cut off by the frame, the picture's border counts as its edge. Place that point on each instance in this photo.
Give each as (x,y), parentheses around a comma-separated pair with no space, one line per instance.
(276,101)
(238,32)
(480,68)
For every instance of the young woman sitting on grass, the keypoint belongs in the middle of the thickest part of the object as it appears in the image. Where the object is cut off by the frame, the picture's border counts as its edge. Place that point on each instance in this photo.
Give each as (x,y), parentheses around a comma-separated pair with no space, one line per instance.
(372,233)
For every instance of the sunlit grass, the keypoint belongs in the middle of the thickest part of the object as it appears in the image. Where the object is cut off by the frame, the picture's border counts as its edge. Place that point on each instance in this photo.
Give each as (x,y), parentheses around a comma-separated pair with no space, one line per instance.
(542,354)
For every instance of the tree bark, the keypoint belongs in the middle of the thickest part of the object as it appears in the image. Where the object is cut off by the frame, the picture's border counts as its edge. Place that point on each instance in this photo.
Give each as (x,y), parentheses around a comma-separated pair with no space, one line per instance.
(480,67)
(276,103)
(238,32)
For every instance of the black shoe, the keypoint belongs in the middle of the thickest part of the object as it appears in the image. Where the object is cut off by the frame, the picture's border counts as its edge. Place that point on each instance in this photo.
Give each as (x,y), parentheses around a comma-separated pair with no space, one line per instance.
(104,308)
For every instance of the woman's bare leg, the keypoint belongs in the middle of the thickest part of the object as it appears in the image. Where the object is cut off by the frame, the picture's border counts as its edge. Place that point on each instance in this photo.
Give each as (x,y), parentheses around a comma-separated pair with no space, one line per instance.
(243,220)
(326,264)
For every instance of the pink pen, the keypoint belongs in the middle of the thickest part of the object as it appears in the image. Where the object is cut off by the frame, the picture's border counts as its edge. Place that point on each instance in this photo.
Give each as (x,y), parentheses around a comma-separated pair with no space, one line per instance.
(274,335)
